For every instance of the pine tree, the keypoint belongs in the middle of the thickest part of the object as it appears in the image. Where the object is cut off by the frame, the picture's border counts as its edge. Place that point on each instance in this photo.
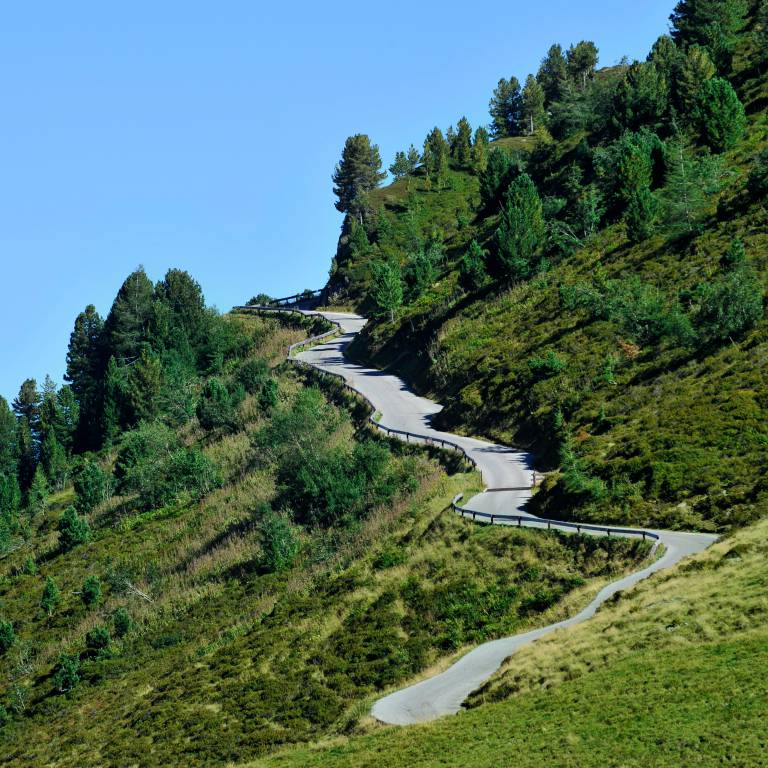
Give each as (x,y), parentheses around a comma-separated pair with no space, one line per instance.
(666,57)
(719,115)
(581,61)
(533,104)
(473,272)
(183,297)
(68,415)
(436,153)
(84,370)
(37,495)
(90,592)
(10,498)
(144,385)
(450,137)
(414,158)
(480,150)
(51,597)
(358,172)
(8,439)
(27,453)
(53,459)
(73,529)
(641,214)
(400,167)
(500,171)
(387,287)
(505,108)
(553,74)
(697,68)
(521,231)
(714,24)
(27,405)
(642,98)
(128,325)
(463,144)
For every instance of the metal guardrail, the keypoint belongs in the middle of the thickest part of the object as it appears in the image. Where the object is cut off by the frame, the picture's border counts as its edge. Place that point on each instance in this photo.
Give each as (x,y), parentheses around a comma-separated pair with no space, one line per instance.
(523,521)
(297,298)
(528,521)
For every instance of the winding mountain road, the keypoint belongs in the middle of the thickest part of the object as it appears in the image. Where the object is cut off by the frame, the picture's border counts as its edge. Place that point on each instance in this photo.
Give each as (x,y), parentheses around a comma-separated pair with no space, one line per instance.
(502,468)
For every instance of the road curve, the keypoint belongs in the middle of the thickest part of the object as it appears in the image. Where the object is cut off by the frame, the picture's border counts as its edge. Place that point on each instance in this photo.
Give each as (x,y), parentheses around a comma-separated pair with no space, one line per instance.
(501,467)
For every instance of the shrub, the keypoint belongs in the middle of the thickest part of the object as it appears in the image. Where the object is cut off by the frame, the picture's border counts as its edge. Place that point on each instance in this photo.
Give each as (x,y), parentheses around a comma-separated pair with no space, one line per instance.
(268,395)
(90,593)
(73,529)
(279,542)
(758,175)
(121,622)
(547,366)
(91,487)
(66,674)
(473,273)
(253,374)
(217,408)
(641,214)
(730,306)
(97,641)
(4,716)
(51,597)
(7,636)
(719,115)
(141,446)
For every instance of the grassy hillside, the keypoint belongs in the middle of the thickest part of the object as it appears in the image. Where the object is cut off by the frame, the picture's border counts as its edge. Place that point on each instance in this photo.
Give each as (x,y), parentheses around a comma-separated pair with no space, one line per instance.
(665,676)
(320,568)
(581,362)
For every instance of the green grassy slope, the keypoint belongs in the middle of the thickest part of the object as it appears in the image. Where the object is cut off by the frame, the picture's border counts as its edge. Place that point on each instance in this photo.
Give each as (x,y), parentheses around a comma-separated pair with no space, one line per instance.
(228,660)
(668,675)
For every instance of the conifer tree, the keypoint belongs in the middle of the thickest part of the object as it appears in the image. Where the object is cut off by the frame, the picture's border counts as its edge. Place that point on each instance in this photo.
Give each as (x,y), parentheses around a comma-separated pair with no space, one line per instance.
(436,153)
(473,272)
(400,167)
(480,150)
(73,529)
(642,98)
(10,498)
(641,214)
(68,415)
(182,295)
(51,597)
(27,453)
(463,144)
(505,108)
(696,69)
(450,137)
(414,158)
(760,33)
(719,115)
(8,439)
(533,104)
(26,405)
(521,231)
(144,385)
(37,495)
(714,24)
(553,74)
(358,172)
(666,57)
(581,61)
(128,325)
(54,461)
(387,287)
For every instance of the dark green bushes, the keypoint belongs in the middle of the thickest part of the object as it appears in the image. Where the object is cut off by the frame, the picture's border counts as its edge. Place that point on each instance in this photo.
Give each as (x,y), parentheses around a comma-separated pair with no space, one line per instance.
(218,405)
(73,529)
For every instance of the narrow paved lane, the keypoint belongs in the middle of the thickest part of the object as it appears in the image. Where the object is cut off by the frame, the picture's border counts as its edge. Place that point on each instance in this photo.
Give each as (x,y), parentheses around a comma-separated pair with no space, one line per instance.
(501,467)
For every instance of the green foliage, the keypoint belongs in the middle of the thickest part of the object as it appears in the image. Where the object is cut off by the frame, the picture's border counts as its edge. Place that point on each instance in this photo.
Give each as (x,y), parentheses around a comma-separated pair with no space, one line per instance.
(421,271)
(51,597)
(553,74)
(218,406)
(501,170)
(697,68)
(462,149)
(473,271)
(66,674)
(279,542)
(387,287)
(758,175)
(121,622)
(480,150)
(38,492)
(581,61)
(642,209)
(719,115)
(140,446)
(642,99)
(547,366)
(400,168)
(97,642)
(144,385)
(532,110)
(92,487)
(729,306)
(10,497)
(7,636)
(520,234)
(90,592)
(435,157)
(358,172)
(73,529)
(506,108)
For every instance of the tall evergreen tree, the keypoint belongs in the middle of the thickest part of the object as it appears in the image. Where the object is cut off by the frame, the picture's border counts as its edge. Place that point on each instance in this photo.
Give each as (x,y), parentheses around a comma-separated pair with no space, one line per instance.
(480,150)
(463,145)
(719,115)
(8,439)
(400,167)
(84,371)
(129,323)
(581,61)
(521,231)
(696,69)
(357,174)
(642,98)
(553,74)
(183,297)
(27,453)
(666,57)
(414,158)
(505,108)
(144,385)
(436,154)
(68,416)
(533,104)
(714,24)
(387,287)
(27,405)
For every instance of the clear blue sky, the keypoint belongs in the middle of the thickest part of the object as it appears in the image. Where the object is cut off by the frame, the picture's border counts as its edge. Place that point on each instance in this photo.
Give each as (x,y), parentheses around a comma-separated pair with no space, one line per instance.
(203,135)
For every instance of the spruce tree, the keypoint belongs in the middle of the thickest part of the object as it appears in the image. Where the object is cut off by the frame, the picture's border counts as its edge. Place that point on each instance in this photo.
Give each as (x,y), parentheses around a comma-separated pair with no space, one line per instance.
(500,171)
(521,231)
(183,297)
(37,496)
(387,287)
(473,272)
(506,108)
(480,150)
(436,154)
(641,214)
(8,439)
(414,158)
(463,144)
(128,325)
(73,529)
(27,405)
(400,167)
(719,115)
(10,498)
(533,104)
(642,99)
(553,74)
(358,172)
(581,61)
(696,69)
(714,24)
(144,385)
